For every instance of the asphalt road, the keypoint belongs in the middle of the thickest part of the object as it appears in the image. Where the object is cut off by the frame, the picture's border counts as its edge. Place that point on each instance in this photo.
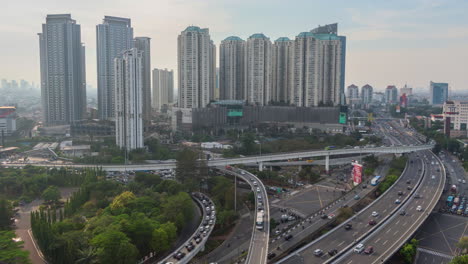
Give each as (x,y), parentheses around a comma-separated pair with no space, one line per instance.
(390,237)
(339,238)
(313,222)
(258,248)
(455,172)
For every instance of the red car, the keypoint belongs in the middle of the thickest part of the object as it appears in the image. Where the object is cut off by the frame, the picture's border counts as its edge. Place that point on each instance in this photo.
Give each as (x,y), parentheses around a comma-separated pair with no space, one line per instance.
(369,250)
(372,222)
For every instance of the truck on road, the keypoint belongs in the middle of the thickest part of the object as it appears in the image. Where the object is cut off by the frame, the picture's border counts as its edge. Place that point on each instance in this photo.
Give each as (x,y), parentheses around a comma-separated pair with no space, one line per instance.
(259,222)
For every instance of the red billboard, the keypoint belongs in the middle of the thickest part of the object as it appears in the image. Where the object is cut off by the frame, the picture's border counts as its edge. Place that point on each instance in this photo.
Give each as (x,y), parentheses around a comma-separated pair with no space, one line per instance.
(357,173)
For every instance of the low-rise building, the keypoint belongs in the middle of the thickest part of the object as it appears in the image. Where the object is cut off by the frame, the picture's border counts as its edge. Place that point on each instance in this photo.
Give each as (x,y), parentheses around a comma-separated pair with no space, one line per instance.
(7,120)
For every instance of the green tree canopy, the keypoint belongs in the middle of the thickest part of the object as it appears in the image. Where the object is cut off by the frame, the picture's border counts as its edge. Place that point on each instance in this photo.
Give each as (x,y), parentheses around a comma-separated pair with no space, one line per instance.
(51,194)
(114,246)
(11,251)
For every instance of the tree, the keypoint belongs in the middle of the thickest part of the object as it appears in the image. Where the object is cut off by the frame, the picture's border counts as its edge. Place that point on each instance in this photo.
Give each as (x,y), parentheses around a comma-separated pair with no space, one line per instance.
(408,251)
(86,256)
(51,194)
(122,200)
(186,166)
(463,243)
(113,246)
(160,240)
(248,144)
(5,214)
(10,250)
(459,260)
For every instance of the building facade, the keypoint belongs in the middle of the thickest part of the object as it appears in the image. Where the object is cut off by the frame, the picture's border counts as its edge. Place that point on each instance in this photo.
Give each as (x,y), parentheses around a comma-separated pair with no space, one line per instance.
(282,69)
(317,70)
(7,120)
(62,67)
(456,116)
(231,68)
(196,68)
(143,44)
(163,88)
(353,95)
(391,95)
(128,70)
(113,36)
(257,88)
(366,94)
(438,93)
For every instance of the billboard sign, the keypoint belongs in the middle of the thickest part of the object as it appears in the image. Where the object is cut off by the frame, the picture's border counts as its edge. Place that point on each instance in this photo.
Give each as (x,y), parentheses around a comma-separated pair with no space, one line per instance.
(356,173)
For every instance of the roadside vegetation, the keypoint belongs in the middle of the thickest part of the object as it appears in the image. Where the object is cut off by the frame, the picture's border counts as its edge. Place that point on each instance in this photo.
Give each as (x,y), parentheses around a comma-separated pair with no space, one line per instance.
(397,166)
(408,251)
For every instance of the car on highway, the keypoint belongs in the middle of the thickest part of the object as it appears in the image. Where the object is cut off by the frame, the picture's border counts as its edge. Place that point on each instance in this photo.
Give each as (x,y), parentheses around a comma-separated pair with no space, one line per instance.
(419,208)
(258,189)
(359,248)
(402,212)
(400,193)
(433,177)
(332,252)
(324,216)
(369,250)
(348,226)
(417,195)
(374,214)
(372,222)
(318,252)
(463,181)
(288,237)
(459,180)
(408,182)
(356,197)
(330,216)
(271,255)
(409,188)
(397,201)
(243,172)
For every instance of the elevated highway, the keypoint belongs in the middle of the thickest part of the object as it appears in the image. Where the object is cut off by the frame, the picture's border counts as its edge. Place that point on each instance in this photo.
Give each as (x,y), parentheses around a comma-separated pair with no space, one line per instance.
(258,248)
(251,159)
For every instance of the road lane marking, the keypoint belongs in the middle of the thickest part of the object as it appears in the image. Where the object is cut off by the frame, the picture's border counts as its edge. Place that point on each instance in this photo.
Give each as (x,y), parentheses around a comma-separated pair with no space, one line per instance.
(378,239)
(342,242)
(385,242)
(388,231)
(397,222)
(395,232)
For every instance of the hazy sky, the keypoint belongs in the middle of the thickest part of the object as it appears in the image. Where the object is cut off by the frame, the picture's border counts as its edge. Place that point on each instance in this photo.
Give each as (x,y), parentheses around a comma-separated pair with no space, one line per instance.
(388,43)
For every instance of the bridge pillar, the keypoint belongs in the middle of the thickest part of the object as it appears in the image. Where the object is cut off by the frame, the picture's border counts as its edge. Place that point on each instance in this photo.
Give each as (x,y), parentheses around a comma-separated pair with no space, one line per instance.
(260,166)
(327,163)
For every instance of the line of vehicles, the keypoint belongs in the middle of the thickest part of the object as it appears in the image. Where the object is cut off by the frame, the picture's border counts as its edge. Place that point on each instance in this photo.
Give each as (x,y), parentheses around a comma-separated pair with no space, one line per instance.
(457,205)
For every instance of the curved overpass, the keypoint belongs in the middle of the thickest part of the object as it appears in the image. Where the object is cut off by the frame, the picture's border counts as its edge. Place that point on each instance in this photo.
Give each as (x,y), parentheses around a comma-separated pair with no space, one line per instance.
(201,236)
(258,248)
(246,160)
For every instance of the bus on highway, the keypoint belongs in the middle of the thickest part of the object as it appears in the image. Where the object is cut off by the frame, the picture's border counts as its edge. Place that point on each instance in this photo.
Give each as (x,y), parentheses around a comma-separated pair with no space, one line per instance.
(259,220)
(375,180)
(450,201)
(329,147)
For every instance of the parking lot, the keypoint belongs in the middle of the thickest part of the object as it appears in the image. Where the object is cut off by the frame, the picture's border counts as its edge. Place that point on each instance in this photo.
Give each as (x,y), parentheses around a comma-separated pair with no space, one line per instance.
(438,235)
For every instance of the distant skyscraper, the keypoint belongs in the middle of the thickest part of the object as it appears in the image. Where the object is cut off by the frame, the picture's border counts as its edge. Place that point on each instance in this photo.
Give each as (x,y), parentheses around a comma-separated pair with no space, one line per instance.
(196,67)
(391,95)
(406,90)
(231,68)
(438,93)
(163,87)
(143,44)
(63,81)
(114,36)
(333,29)
(353,91)
(366,94)
(128,70)
(317,69)
(282,69)
(257,89)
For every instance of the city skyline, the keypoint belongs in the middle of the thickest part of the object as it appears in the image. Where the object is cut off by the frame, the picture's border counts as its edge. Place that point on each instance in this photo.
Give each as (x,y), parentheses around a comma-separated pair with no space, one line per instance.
(379,53)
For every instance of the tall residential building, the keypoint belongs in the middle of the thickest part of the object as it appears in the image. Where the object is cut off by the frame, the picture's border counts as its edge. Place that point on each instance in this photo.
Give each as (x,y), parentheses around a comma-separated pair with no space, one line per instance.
(456,112)
(63,76)
(196,57)
(143,44)
(391,95)
(163,88)
(128,72)
(406,90)
(317,70)
(113,36)
(257,89)
(353,91)
(231,68)
(333,29)
(282,69)
(438,93)
(366,94)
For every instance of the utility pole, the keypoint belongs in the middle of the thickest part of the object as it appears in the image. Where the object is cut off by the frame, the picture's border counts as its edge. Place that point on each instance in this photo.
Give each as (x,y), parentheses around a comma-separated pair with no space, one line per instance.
(235,193)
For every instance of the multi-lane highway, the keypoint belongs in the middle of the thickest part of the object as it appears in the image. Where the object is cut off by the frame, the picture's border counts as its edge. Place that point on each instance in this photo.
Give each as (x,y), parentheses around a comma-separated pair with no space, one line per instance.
(197,241)
(258,249)
(339,238)
(399,228)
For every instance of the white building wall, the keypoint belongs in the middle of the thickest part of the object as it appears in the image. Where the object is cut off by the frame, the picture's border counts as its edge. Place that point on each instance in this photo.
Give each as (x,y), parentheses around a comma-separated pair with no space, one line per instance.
(258,70)
(129,101)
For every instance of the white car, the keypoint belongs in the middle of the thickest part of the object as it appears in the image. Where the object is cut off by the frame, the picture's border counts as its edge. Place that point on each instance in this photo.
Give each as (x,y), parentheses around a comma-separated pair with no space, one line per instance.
(258,189)
(359,248)
(433,177)
(463,181)
(374,214)
(419,208)
(459,180)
